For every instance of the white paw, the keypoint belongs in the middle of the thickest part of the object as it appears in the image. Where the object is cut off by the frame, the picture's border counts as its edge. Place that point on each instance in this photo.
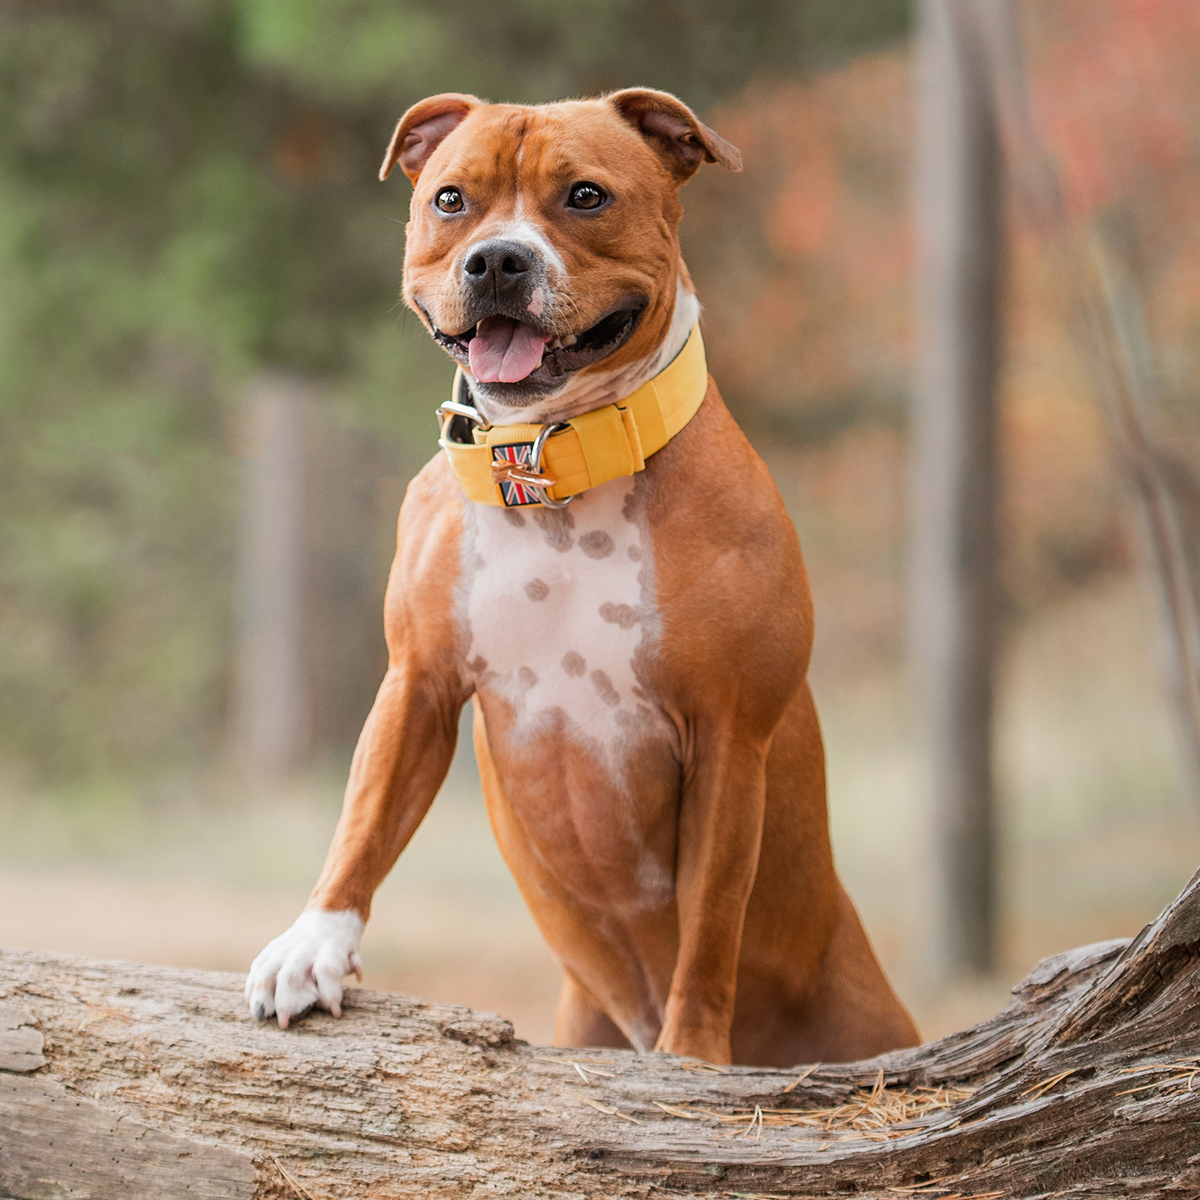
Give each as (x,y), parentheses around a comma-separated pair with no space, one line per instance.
(305,965)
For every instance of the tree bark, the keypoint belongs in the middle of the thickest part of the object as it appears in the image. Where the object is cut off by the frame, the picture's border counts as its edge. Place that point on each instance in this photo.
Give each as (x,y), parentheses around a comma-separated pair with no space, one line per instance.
(270,707)
(960,219)
(119,1080)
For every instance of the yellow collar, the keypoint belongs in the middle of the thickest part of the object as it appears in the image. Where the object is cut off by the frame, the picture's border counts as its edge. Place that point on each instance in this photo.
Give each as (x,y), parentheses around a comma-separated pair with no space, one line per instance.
(518,465)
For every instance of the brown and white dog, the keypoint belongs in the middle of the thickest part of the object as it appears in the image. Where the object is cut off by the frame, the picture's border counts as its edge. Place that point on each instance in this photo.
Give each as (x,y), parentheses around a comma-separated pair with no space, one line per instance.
(648,744)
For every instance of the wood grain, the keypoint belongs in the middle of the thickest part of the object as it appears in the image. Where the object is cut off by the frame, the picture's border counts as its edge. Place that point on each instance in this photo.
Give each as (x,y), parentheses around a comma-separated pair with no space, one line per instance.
(1086,1085)
(56,1143)
(20,1043)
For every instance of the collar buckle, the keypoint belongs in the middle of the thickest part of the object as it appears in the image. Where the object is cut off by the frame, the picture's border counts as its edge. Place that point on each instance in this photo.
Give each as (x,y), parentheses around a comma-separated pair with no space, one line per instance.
(456,421)
(458,418)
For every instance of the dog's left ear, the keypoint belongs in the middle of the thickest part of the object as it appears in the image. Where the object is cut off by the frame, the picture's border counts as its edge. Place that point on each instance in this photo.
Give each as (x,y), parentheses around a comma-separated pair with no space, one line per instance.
(675,133)
(423,129)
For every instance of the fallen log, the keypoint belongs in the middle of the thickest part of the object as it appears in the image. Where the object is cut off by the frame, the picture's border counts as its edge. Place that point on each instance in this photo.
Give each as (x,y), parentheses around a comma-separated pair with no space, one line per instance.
(120,1081)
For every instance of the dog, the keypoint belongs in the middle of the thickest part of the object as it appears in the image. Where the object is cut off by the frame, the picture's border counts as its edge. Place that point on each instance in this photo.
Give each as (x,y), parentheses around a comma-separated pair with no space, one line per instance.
(599,559)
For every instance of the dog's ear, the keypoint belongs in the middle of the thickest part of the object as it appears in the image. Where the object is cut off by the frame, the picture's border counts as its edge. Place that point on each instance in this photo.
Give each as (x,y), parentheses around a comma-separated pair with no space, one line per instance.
(423,129)
(676,134)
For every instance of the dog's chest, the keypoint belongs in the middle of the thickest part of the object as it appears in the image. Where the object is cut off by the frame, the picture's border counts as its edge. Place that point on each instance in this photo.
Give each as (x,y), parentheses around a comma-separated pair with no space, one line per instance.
(560,615)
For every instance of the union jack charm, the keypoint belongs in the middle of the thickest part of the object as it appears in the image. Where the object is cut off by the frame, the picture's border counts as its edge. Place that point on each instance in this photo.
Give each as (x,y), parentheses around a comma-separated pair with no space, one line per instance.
(516,494)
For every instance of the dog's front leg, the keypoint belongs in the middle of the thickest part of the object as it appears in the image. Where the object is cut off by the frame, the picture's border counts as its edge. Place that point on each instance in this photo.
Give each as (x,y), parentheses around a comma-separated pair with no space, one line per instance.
(402,757)
(720,832)
(403,754)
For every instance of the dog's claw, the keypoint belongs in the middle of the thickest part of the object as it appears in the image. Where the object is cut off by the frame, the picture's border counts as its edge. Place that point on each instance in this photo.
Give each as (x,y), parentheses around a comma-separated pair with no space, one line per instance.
(303,967)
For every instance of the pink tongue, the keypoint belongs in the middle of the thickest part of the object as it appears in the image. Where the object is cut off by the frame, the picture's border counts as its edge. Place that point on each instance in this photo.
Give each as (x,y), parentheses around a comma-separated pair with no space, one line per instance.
(504,350)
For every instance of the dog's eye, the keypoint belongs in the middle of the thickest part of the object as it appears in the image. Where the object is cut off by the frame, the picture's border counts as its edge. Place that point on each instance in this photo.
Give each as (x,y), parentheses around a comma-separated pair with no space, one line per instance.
(586,195)
(449,200)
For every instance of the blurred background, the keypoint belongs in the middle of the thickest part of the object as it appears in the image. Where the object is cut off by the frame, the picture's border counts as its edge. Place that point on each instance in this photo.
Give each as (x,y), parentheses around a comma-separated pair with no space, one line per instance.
(211,402)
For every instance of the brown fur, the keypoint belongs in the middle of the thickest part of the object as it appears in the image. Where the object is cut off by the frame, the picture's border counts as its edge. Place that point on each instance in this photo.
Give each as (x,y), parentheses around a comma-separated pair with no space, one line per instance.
(759,956)
(633,249)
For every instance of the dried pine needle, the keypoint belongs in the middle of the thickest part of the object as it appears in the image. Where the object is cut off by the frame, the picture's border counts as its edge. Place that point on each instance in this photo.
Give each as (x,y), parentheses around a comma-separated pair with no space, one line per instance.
(566,1062)
(1040,1089)
(881,1114)
(941,1189)
(579,1066)
(686,1114)
(607,1109)
(800,1078)
(105,1014)
(756,1124)
(1186,1070)
(301,1191)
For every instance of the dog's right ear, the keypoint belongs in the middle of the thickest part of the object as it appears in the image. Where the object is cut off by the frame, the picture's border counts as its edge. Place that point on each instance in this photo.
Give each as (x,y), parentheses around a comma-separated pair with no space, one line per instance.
(423,129)
(678,136)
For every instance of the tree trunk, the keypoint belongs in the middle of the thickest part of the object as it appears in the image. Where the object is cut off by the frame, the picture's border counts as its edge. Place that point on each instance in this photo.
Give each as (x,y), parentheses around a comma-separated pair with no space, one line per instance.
(118,1081)
(960,218)
(270,714)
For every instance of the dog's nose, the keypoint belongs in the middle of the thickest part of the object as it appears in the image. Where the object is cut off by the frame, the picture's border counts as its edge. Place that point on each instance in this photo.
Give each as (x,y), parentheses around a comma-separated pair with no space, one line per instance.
(498,268)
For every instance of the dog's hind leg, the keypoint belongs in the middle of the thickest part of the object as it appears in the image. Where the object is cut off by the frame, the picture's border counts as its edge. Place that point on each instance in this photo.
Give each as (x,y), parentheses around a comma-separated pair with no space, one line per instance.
(580,1021)
(851,1011)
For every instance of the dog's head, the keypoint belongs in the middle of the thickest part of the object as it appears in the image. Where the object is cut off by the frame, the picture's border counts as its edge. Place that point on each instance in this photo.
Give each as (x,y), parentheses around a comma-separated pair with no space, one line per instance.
(542,244)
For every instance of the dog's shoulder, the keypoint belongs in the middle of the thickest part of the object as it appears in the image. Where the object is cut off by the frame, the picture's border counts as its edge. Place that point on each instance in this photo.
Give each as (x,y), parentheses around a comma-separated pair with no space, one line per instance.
(422,591)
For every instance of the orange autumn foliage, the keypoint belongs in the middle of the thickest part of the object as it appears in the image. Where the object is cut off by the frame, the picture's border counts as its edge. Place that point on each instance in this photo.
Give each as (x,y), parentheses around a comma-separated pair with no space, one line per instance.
(805,266)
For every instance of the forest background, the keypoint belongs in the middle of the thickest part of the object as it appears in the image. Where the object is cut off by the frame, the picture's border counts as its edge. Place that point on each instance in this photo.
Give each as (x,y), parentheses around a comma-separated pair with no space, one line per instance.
(189,206)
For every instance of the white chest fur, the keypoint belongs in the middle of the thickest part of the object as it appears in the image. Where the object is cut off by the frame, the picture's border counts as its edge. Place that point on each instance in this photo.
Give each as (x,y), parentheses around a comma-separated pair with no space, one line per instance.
(560,615)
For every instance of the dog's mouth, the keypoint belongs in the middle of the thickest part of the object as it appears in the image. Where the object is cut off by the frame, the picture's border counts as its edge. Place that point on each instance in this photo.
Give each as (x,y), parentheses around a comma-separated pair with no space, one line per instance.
(501,350)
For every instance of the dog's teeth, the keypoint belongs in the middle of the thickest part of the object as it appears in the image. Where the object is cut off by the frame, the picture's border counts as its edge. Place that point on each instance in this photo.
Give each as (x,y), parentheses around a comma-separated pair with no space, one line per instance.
(570,341)
(552,344)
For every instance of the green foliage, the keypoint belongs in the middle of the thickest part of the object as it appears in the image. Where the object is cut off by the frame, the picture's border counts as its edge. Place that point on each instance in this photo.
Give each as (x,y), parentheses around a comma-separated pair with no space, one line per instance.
(187,194)
(536,50)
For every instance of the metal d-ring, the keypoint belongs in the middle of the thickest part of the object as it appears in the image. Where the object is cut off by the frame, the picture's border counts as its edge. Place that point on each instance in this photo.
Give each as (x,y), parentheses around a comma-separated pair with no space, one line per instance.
(460,406)
(447,413)
(535,460)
